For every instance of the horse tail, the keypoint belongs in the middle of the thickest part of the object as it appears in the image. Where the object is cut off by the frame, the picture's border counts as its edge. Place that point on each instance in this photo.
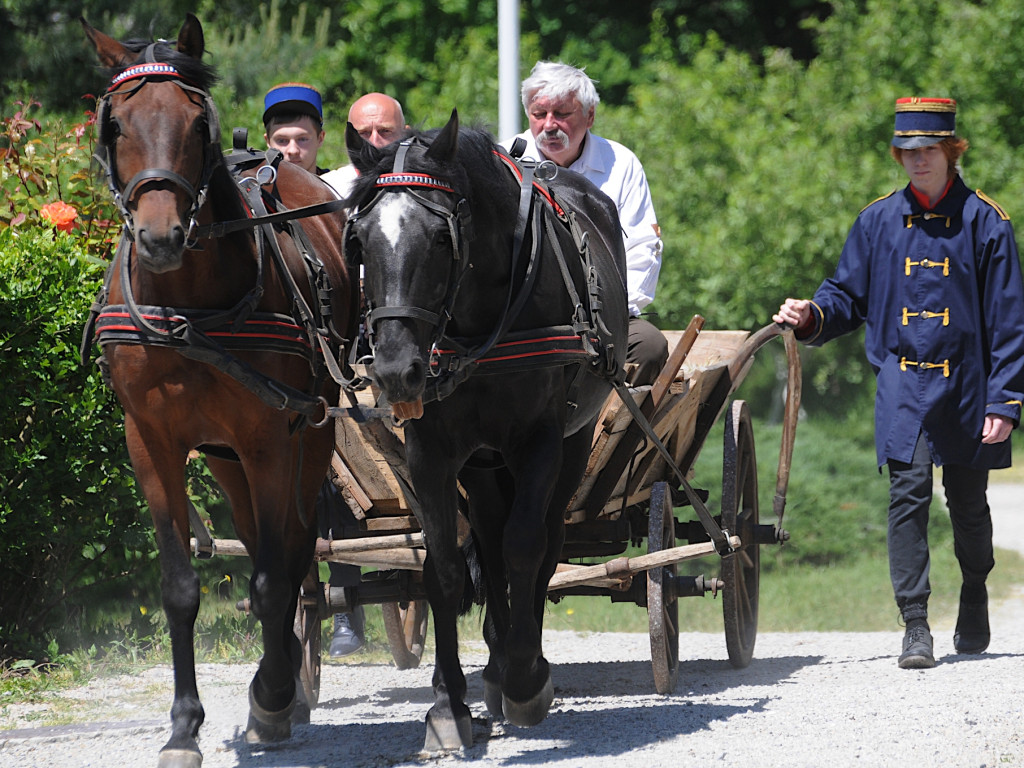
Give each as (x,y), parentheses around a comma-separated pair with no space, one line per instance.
(475,591)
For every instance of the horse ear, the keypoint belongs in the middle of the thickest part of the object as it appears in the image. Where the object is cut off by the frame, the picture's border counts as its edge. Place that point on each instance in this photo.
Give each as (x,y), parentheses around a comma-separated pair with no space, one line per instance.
(110,52)
(190,38)
(363,154)
(446,144)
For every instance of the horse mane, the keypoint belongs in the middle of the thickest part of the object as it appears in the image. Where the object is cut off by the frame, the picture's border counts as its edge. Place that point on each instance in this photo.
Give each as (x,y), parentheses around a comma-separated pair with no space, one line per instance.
(472,175)
(195,71)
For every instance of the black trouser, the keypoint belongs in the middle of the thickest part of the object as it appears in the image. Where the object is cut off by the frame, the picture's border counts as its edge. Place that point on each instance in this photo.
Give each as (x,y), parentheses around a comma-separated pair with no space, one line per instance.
(910,495)
(648,349)
(334,518)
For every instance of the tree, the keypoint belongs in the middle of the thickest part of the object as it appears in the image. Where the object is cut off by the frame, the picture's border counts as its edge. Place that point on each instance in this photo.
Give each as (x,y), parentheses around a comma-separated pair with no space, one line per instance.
(44,52)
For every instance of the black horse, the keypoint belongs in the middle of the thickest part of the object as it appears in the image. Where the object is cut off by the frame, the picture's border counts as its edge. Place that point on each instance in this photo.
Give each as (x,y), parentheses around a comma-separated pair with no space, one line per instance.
(497,318)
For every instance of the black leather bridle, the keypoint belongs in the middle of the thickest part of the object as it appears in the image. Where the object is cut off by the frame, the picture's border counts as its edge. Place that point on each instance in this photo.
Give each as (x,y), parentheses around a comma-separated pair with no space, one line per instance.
(137,76)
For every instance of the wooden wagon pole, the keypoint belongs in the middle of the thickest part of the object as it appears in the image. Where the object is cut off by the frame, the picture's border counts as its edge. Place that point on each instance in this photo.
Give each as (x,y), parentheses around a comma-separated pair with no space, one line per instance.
(622,568)
(794,389)
(403,551)
(793,392)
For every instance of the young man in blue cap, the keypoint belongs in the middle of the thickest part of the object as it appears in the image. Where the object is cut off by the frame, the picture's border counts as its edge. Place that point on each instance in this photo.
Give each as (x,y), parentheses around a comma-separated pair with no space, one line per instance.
(932,271)
(293,119)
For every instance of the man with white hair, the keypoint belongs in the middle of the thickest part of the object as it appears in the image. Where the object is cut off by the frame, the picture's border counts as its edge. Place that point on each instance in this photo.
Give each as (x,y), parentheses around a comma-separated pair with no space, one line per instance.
(560,102)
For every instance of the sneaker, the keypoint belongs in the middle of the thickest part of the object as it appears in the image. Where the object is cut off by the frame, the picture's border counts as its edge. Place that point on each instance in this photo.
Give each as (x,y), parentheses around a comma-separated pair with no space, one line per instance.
(917,646)
(972,631)
(348,633)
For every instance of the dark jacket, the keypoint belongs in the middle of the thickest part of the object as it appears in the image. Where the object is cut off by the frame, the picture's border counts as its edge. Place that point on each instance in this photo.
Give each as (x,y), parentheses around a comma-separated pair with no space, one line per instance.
(942,298)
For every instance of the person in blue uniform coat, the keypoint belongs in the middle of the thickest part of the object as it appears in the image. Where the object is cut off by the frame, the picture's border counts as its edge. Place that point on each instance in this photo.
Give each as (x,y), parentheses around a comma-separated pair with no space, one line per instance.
(933,274)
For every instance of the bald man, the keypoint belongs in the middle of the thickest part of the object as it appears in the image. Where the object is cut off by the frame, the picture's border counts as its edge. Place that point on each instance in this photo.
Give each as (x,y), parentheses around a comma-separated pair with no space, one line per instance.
(379,119)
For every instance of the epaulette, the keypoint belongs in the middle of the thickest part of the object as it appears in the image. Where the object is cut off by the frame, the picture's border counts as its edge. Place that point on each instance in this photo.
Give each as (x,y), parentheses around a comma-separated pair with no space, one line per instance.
(883,197)
(999,209)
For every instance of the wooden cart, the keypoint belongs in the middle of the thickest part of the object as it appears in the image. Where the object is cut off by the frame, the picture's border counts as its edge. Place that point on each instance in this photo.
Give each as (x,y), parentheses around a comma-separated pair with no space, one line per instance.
(632,490)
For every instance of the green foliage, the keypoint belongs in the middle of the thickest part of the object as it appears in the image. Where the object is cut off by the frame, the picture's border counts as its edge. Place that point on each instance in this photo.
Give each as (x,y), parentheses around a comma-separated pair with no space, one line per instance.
(69,514)
(45,57)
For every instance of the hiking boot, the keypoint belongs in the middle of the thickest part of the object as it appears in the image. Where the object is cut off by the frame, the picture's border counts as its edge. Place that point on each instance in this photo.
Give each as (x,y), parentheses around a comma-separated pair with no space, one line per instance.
(348,633)
(972,631)
(917,646)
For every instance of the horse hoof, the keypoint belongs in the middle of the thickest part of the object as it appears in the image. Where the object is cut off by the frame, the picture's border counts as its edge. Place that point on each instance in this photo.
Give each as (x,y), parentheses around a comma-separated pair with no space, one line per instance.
(265,726)
(527,713)
(179,758)
(258,732)
(493,700)
(447,734)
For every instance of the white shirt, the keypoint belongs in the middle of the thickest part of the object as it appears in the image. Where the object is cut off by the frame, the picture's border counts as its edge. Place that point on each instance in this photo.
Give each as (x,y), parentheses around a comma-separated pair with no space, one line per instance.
(617,172)
(341,179)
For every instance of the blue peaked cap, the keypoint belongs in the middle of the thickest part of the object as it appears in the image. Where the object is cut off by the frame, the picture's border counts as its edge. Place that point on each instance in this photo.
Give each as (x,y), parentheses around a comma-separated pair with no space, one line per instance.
(293,99)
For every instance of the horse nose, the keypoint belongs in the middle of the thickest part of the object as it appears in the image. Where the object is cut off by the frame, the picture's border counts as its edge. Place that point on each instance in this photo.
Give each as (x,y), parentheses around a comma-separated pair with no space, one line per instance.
(160,252)
(402,380)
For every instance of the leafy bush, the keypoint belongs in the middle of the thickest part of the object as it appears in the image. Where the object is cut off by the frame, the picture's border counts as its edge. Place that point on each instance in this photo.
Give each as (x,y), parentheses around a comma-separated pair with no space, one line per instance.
(67,509)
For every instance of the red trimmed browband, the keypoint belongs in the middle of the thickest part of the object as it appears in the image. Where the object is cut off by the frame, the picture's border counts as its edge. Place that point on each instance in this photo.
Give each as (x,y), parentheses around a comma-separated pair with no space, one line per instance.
(412,180)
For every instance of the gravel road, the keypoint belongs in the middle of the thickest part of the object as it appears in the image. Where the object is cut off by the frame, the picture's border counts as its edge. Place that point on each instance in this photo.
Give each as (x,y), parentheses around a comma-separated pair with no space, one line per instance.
(807,699)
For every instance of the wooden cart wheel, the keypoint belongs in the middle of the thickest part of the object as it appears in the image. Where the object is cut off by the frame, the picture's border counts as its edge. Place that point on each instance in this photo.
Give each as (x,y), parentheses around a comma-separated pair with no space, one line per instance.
(662,602)
(741,570)
(308,630)
(406,628)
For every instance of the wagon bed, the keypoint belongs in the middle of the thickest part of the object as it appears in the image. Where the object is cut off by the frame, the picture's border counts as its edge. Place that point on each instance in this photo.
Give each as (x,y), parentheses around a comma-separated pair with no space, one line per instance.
(630,491)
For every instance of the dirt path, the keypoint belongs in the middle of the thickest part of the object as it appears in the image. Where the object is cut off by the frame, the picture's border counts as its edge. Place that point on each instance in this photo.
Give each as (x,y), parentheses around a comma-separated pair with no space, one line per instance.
(808,699)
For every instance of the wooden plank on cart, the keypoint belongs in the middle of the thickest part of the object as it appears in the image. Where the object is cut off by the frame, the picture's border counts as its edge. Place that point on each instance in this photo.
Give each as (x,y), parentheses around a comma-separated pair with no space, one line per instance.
(351,491)
(712,361)
(608,475)
(623,568)
(375,456)
(712,349)
(684,408)
(366,465)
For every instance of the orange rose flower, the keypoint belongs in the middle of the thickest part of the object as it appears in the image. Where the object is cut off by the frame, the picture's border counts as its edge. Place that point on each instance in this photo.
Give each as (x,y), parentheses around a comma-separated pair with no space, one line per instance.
(61,215)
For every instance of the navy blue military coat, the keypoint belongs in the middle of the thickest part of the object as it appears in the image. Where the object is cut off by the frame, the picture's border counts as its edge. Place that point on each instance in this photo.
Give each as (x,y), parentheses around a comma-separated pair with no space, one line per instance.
(941,297)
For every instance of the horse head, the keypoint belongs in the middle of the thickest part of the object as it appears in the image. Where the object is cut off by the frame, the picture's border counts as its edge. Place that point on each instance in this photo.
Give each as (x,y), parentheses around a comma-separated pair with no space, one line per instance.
(410,229)
(159,138)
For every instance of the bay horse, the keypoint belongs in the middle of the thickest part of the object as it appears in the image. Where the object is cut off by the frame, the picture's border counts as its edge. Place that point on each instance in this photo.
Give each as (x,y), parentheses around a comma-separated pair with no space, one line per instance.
(218,340)
(497,318)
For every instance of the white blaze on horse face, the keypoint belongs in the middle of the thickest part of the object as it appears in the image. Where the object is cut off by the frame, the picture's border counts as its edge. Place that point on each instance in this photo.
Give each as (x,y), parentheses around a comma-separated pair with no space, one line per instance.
(394,211)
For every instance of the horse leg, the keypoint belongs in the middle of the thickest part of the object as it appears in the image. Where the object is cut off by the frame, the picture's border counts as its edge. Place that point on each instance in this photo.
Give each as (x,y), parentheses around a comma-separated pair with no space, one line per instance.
(160,472)
(266,521)
(575,455)
(547,474)
(448,722)
(283,557)
(265,720)
(488,491)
